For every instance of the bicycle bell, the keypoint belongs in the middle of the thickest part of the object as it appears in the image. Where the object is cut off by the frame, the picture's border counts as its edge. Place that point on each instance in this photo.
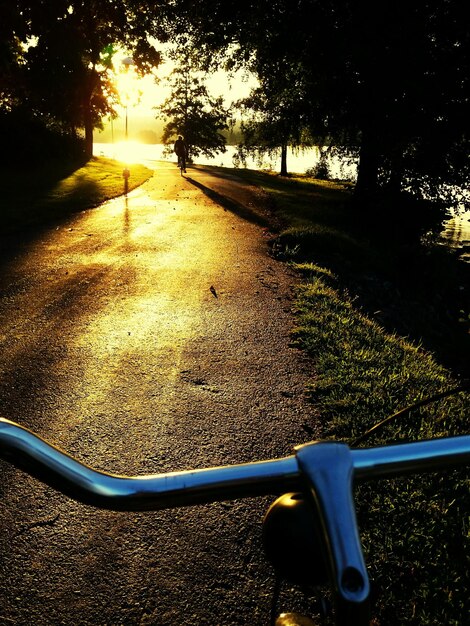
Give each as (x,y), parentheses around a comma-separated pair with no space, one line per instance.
(292,540)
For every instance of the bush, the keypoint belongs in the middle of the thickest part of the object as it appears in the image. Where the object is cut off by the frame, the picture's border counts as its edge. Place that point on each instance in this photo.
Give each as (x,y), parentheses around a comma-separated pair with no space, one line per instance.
(321,170)
(27,139)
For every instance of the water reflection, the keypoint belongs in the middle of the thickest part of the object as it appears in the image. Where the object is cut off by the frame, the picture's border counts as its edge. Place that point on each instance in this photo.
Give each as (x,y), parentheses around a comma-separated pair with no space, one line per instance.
(456,235)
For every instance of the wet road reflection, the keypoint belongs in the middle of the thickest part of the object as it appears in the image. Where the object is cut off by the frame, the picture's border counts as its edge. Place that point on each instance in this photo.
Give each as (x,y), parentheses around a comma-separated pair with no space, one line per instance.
(113,347)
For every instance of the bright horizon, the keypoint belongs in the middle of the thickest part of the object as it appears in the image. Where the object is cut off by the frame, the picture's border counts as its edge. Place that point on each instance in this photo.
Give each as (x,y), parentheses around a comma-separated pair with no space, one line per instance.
(144,94)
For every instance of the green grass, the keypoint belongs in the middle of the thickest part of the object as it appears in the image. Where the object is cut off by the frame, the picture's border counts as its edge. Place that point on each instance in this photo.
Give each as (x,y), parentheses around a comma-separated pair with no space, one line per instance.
(38,197)
(417,291)
(381,317)
(416,530)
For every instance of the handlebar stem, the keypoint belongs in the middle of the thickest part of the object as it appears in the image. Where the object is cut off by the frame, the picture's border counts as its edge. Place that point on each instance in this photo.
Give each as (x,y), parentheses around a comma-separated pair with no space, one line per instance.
(329,470)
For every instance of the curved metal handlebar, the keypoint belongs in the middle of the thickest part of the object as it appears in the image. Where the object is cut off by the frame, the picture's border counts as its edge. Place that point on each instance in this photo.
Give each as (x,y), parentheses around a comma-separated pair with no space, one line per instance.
(29,452)
(326,470)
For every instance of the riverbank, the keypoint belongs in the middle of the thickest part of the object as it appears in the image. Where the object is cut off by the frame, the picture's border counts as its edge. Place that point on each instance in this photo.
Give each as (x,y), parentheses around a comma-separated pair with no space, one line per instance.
(409,285)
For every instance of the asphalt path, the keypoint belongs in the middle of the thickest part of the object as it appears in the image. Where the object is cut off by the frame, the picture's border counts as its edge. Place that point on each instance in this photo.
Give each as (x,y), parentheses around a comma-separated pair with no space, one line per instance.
(149,334)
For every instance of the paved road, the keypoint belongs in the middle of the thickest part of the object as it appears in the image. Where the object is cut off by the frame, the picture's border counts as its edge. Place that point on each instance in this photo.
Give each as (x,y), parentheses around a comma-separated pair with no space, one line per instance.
(150,334)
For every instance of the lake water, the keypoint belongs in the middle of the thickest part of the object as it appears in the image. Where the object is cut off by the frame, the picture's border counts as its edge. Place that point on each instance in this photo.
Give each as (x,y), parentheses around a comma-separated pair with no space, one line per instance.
(455,233)
(297,161)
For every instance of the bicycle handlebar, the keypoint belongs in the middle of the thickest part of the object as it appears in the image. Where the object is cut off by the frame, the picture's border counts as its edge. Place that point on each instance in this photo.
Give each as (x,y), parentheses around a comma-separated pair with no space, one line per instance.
(26,450)
(327,470)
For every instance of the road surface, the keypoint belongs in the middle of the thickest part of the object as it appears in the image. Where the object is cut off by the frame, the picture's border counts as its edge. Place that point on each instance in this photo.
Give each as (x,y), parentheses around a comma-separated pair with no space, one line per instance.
(149,334)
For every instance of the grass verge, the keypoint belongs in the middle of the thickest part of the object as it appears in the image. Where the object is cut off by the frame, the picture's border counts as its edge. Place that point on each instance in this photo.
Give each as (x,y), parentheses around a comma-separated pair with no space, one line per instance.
(375,314)
(38,197)
(415,531)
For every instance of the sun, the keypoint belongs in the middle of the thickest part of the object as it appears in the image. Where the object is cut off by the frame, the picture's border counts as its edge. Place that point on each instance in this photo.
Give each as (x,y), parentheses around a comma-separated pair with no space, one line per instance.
(127,85)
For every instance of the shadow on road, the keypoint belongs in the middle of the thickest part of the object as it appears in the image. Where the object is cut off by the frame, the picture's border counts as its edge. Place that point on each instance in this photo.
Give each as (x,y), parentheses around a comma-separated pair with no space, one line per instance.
(243,207)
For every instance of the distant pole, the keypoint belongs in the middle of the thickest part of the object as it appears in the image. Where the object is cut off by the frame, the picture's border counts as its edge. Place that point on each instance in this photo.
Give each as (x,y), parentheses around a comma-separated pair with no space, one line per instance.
(127,62)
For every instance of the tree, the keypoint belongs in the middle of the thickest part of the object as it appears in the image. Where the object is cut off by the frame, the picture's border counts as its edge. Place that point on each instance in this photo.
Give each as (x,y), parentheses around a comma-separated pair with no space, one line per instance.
(388,82)
(275,116)
(64,76)
(409,99)
(193,113)
(13,31)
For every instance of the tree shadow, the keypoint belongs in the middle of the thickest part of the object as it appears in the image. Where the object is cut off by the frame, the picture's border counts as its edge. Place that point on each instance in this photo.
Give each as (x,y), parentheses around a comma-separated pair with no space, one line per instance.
(248,213)
(28,210)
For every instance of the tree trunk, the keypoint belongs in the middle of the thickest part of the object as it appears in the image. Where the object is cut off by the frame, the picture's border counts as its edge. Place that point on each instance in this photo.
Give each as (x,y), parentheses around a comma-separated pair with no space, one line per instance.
(88,123)
(90,87)
(368,167)
(284,160)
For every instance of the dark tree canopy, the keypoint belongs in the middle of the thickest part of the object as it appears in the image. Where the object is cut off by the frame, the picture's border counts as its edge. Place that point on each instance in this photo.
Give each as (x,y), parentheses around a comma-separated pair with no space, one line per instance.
(389,80)
(59,55)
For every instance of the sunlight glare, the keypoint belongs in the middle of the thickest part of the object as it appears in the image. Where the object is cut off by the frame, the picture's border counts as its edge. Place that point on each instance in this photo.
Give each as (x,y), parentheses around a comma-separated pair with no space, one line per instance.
(128,151)
(127,86)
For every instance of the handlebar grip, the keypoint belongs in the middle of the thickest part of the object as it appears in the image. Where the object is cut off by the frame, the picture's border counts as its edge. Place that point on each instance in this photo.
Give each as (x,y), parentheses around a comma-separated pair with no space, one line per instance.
(404,458)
